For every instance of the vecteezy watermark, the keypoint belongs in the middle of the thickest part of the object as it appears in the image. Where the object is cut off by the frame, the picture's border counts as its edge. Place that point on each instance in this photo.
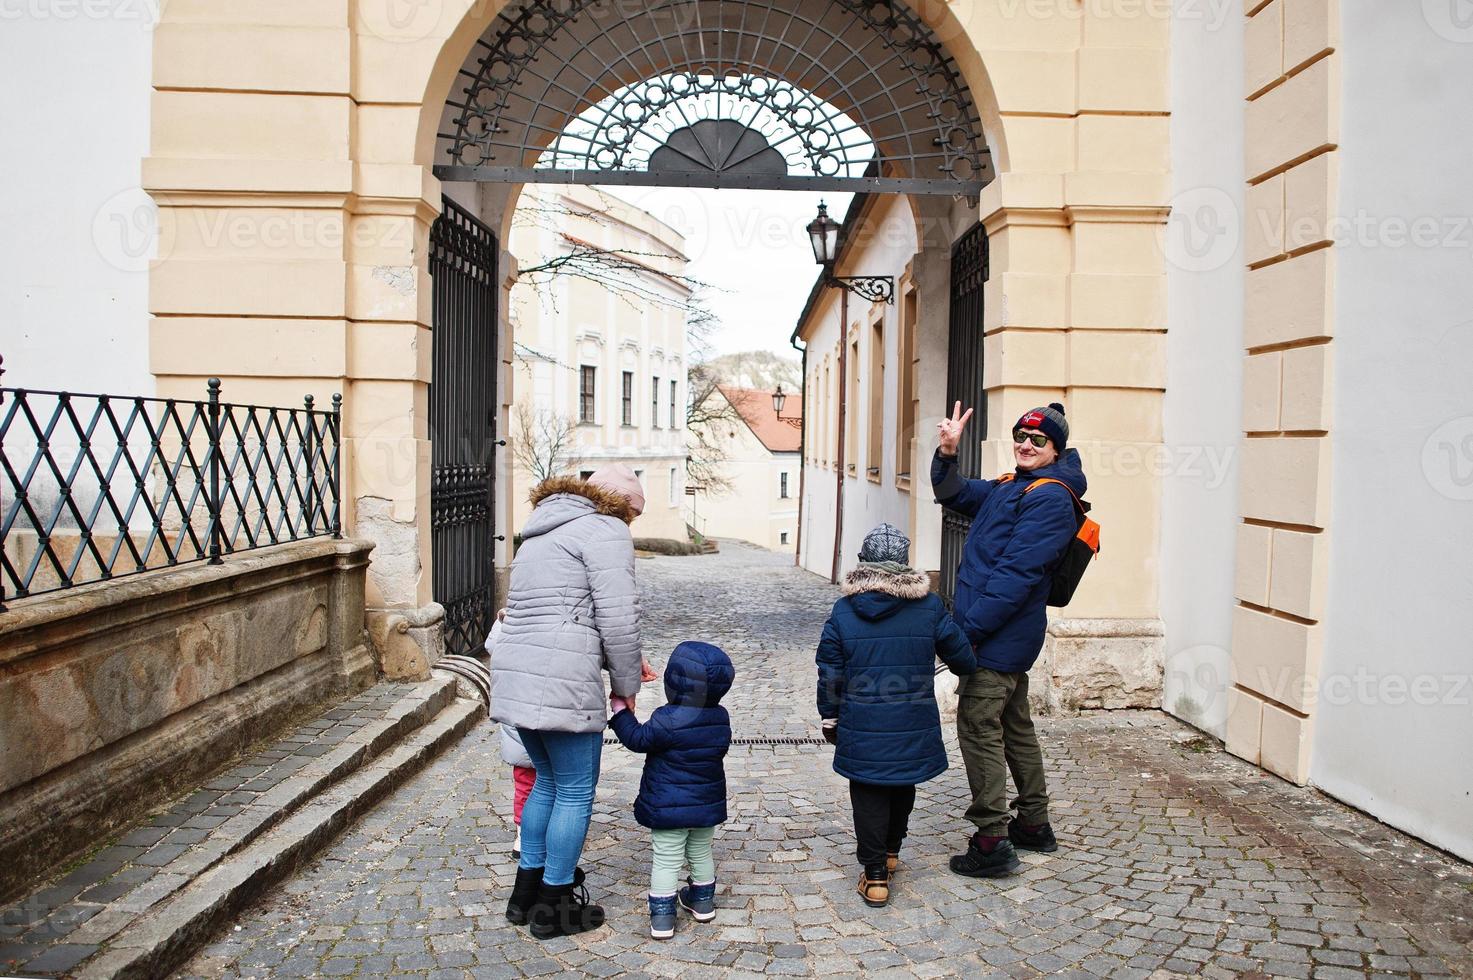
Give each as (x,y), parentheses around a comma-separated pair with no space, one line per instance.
(1195,685)
(1451,20)
(1214,12)
(1212,466)
(403,21)
(1364,688)
(145,12)
(1365,230)
(1204,230)
(1447,458)
(125,231)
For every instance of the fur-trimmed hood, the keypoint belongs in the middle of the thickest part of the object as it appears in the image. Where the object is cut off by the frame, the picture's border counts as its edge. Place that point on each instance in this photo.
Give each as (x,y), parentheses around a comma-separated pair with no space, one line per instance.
(604,501)
(909,584)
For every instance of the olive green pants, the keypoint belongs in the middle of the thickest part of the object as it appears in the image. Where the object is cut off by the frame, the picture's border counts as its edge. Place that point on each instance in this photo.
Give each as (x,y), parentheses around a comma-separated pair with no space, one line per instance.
(996,736)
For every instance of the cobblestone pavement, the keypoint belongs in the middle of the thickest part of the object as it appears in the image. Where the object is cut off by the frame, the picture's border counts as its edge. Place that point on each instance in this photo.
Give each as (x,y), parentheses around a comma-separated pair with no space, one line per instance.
(1176,858)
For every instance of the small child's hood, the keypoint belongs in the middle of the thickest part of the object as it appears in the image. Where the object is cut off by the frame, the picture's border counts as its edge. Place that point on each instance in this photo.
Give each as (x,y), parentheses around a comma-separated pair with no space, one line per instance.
(698,675)
(877,592)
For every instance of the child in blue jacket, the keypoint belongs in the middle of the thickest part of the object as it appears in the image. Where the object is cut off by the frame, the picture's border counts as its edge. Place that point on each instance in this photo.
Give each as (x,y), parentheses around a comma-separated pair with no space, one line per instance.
(682,794)
(877,696)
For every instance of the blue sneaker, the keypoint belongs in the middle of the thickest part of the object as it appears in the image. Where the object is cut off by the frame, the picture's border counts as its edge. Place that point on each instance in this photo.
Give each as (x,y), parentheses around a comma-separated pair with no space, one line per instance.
(699,900)
(662,916)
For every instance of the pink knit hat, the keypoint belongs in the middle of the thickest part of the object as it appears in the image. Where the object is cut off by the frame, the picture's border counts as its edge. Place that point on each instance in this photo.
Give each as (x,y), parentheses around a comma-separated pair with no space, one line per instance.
(621,480)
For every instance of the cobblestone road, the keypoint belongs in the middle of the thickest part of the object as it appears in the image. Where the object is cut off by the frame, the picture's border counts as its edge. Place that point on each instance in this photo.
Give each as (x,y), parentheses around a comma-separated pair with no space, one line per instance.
(1176,858)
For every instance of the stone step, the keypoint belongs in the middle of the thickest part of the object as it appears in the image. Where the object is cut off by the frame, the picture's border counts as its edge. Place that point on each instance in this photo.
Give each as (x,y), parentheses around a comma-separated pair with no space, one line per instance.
(159,941)
(72,917)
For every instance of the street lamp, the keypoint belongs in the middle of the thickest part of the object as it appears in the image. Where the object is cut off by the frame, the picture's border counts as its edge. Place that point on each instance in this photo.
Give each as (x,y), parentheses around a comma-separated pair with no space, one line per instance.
(823,236)
(779,399)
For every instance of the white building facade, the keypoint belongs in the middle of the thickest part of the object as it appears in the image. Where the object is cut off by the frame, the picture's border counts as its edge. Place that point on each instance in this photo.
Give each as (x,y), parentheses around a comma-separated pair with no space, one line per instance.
(608,362)
(761,466)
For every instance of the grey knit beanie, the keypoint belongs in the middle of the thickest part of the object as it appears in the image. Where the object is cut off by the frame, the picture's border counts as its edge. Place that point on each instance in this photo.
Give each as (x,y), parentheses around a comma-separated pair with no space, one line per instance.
(885,543)
(1050,421)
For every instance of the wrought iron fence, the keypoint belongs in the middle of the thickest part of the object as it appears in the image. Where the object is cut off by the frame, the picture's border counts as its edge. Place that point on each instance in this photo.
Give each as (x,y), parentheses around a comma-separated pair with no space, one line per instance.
(96,487)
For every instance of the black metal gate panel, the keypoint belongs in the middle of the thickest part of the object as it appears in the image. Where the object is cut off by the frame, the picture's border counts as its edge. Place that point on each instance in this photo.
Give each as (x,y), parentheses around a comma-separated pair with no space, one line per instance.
(463,404)
(969,270)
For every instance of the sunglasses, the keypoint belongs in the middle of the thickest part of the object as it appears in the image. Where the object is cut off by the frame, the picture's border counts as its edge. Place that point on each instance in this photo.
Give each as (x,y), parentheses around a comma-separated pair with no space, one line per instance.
(1038,439)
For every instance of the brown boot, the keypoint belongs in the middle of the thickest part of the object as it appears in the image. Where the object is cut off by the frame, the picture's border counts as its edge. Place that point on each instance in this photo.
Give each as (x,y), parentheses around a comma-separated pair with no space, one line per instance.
(874,887)
(892,862)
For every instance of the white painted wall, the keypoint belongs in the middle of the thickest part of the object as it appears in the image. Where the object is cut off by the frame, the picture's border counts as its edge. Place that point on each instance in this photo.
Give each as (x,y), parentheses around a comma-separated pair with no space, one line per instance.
(76,231)
(1394,724)
(886,250)
(1203,404)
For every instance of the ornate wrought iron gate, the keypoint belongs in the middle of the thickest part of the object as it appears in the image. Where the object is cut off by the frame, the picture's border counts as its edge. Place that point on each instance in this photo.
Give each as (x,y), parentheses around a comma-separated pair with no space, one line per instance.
(463,406)
(969,269)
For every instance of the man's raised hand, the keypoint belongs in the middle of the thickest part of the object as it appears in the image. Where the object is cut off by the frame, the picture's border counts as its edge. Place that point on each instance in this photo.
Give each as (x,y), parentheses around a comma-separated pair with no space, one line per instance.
(950,430)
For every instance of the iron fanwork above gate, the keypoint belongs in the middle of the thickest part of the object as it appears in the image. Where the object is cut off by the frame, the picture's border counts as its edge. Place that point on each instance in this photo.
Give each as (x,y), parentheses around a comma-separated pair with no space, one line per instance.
(716,93)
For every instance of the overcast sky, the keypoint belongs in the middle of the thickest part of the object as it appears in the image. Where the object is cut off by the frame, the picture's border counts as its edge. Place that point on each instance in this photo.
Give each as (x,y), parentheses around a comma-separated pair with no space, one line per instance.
(752,246)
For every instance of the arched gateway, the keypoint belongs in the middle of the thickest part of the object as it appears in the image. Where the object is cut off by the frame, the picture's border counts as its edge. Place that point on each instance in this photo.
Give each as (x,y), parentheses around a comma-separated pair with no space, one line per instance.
(334,120)
(849,95)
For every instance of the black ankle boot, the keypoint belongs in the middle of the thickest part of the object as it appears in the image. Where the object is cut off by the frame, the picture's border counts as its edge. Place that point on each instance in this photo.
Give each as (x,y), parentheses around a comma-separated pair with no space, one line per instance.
(523,894)
(563,910)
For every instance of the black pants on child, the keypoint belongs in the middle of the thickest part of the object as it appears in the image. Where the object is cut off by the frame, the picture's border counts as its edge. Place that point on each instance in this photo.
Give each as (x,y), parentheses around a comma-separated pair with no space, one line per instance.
(881,816)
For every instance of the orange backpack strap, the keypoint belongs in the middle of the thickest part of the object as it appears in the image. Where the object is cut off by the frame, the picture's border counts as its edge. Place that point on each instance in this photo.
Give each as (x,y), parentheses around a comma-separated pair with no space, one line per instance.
(1089,531)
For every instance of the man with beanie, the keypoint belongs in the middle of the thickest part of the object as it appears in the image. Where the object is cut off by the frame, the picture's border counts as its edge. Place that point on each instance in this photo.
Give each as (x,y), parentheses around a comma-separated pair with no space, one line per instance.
(1020,530)
(877,697)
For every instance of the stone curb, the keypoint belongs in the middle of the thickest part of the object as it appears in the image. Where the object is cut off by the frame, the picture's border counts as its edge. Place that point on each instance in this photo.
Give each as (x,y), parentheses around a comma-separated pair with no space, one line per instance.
(165,937)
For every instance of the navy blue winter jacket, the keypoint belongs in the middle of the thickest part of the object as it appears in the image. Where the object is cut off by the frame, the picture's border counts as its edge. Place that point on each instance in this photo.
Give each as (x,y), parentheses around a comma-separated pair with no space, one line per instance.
(876,674)
(684,781)
(1010,554)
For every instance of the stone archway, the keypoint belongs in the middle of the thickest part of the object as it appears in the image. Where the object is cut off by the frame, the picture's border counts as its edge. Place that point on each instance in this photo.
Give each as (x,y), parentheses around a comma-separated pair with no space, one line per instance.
(325,122)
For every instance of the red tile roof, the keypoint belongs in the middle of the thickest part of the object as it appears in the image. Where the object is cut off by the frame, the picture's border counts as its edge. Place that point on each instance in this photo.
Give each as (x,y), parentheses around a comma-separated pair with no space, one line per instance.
(779,435)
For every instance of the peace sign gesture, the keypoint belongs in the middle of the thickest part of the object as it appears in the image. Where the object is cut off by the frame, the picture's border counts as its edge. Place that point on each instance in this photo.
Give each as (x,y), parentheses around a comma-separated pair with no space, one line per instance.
(950,430)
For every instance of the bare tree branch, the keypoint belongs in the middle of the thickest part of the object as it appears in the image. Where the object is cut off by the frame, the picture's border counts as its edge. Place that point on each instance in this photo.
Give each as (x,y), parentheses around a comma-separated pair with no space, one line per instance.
(709,420)
(545,443)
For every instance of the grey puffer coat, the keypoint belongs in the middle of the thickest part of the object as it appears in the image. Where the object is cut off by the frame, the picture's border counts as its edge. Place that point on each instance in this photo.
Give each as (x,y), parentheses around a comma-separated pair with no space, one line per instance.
(572,613)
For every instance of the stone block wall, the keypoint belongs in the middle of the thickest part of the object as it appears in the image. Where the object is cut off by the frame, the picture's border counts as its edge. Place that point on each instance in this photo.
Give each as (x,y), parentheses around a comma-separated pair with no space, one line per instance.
(115,695)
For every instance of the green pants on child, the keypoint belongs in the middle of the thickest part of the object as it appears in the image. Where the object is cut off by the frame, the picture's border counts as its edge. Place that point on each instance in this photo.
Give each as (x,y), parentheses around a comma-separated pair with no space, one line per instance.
(676,848)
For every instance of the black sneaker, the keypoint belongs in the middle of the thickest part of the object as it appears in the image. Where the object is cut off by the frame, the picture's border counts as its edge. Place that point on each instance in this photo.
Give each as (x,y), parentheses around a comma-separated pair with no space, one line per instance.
(1040,838)
(1000,862)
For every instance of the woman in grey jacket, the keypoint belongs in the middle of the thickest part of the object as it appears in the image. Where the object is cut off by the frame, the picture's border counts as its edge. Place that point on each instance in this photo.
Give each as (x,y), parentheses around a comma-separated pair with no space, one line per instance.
(572,614)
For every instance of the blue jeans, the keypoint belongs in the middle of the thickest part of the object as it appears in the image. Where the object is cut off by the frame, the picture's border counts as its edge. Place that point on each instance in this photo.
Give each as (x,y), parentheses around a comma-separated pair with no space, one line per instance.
(555,817)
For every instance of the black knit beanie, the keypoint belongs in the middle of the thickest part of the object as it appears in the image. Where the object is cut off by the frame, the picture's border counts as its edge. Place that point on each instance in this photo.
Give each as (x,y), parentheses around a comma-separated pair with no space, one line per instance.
(1050,421)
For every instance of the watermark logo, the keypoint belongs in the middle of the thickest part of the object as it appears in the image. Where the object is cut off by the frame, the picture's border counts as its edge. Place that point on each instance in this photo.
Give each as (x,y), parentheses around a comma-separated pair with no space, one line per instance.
(126,231)
(145,12)
(1447,458)
(403,21)
(1451,20)
(1204,230)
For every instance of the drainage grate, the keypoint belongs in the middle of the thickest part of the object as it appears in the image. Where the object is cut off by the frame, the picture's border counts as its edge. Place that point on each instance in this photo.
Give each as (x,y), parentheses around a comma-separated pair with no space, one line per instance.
(810,740)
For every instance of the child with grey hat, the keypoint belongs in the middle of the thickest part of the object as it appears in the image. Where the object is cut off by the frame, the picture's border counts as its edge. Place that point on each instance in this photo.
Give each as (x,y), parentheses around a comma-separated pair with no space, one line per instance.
(877,699)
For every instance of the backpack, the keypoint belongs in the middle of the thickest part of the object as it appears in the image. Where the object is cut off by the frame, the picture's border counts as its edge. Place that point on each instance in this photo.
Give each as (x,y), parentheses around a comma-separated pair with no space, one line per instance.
(1083,547)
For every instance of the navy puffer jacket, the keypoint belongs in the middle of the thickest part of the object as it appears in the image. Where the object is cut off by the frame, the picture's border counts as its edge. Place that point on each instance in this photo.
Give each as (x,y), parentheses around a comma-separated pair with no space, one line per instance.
(1010,554)
(684,781)
(877,675)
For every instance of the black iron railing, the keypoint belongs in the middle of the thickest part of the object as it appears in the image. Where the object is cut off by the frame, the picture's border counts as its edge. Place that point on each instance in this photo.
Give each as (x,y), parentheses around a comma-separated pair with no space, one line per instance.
(96,487)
